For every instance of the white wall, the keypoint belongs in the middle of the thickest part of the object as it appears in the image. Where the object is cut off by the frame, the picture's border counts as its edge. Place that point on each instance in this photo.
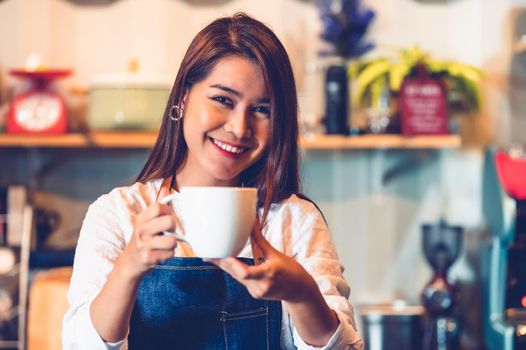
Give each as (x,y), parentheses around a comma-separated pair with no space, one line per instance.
(95,39)
(376,226)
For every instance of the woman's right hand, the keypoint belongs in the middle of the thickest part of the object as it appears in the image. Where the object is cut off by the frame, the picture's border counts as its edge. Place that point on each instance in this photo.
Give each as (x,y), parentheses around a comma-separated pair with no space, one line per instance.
(148,246)
(111,310)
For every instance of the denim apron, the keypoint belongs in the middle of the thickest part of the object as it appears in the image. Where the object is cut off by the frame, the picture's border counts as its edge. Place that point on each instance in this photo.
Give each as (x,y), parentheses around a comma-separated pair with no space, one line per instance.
(186,303)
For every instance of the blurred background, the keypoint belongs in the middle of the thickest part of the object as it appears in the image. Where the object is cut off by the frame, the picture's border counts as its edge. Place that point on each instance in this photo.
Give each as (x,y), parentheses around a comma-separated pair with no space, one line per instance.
(376,182)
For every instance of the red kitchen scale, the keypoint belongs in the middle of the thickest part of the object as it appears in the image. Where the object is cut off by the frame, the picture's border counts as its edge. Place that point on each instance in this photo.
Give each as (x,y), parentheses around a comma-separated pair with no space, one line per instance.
(38,109)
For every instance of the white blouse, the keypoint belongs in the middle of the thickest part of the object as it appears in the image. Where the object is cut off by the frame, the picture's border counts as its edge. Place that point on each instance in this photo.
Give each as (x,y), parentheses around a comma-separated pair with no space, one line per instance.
(295,227)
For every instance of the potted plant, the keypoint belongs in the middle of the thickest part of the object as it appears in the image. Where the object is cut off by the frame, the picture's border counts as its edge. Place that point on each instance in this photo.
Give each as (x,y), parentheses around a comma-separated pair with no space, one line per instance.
(377,82)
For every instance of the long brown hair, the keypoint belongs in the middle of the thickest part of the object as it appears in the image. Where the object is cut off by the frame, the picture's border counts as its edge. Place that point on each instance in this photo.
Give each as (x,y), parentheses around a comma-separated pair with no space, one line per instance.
(276,173)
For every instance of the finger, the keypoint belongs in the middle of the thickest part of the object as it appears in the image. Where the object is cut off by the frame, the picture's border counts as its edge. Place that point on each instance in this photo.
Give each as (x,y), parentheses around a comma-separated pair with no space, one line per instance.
(159,242)
(257,234)
(165,255)
(257,252)
(258,272)
(153,211)
(261,242)
(153,257)
(156,225)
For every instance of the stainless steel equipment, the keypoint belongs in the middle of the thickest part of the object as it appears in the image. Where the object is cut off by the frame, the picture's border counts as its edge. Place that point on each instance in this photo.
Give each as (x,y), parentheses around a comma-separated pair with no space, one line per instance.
(392,326)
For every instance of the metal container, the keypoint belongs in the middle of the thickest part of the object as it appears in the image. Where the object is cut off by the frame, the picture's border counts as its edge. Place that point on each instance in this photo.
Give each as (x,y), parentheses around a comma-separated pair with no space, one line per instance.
(129,101)
(392,326)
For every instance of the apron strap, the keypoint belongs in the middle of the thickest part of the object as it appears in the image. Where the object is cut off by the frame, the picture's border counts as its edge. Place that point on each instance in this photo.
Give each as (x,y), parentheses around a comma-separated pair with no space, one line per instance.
(165,185)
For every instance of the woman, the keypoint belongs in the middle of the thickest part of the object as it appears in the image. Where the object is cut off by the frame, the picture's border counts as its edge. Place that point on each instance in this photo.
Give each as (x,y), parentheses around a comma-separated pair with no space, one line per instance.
(231,120)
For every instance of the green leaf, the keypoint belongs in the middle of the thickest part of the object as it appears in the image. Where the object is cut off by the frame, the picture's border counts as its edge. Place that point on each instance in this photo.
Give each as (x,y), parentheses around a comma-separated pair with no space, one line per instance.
(397,75)
(368,75)
(469,77)
(372,72)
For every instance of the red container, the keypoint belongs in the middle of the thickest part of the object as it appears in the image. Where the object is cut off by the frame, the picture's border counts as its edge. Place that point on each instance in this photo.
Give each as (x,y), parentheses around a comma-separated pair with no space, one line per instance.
(39,109)
(423,105)
(511,167)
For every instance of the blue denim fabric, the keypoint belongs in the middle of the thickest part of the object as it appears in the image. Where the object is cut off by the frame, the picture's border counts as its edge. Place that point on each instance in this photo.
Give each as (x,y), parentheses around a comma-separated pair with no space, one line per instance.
(186,303)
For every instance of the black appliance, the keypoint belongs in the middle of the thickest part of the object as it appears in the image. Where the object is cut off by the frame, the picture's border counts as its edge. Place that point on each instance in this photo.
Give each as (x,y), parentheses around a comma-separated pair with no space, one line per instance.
(442,244)
(504,256)
(336,100)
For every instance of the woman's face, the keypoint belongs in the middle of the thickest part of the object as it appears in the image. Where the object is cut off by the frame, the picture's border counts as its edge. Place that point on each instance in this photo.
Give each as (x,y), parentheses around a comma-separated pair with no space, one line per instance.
(226,123)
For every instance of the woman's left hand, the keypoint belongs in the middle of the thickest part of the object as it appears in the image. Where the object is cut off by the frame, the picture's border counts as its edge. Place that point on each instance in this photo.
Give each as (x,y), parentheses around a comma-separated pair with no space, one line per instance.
(280,277)
(277,277)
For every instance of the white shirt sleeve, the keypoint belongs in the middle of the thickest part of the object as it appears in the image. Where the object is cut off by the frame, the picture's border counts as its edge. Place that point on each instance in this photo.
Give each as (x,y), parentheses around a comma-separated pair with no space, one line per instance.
(100,242)
(311,245)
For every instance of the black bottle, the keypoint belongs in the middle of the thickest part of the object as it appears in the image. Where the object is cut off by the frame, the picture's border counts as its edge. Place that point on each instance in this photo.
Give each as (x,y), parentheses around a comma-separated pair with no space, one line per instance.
(336,100)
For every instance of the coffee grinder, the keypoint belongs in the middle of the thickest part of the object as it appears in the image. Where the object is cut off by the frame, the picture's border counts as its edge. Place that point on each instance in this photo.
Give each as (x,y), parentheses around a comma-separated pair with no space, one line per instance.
(504,256)
(442,244)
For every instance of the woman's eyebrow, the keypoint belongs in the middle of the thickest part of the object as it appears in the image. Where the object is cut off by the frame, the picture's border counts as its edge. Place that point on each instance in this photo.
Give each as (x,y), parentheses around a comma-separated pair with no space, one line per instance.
(226,89)
(237,93)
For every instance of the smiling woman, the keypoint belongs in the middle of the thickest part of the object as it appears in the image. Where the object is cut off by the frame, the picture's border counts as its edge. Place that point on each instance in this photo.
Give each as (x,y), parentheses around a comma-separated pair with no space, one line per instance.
(226,123)
(221,50)
(231,121)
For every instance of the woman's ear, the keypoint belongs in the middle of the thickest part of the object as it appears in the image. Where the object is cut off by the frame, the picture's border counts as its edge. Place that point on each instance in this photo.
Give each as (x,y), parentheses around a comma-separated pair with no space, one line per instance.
(182,104)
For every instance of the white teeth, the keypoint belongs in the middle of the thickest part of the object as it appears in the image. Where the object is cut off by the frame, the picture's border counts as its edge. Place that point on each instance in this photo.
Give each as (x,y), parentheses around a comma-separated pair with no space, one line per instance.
(228,148)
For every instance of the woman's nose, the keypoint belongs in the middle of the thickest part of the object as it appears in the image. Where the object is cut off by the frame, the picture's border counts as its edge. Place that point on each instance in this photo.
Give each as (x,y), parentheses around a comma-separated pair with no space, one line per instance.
(239,125)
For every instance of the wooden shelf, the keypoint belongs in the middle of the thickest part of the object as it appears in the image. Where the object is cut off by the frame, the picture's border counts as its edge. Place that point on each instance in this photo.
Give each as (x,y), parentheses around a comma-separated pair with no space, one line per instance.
(9,344)
(336,142)
(147,139)
(77,140)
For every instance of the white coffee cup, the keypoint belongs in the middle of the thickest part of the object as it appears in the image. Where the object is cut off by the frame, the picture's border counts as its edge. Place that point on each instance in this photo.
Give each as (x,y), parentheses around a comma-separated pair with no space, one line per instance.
(217,221)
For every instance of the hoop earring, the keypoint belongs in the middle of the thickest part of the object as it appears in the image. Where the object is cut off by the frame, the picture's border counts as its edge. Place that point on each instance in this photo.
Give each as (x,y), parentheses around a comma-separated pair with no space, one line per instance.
(176,113)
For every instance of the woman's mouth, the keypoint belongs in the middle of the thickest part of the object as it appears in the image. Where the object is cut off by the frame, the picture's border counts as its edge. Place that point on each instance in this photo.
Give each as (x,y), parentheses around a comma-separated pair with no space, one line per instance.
(233,150)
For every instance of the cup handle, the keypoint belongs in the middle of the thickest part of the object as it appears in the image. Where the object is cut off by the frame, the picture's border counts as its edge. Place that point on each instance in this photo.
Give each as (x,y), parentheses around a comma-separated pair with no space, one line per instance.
(177,235)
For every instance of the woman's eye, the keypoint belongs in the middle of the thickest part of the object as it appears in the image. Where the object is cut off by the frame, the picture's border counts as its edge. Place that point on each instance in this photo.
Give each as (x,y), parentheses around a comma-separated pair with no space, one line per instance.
(265,110)
(223,100)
